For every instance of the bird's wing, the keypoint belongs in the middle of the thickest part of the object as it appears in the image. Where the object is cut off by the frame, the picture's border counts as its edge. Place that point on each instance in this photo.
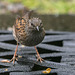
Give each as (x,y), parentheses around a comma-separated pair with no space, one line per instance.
(19,29)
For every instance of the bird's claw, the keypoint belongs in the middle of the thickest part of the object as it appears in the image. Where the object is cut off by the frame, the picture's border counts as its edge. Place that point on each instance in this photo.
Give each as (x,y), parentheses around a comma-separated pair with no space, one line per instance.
(39,58)
(8,61)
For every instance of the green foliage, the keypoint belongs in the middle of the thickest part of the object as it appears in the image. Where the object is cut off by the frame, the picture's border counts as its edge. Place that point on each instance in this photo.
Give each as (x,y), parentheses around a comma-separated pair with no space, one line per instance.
(49,6)
(14,1)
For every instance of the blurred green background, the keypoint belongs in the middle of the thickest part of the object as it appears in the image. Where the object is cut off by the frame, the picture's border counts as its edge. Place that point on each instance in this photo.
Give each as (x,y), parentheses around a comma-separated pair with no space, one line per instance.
(56,14)
(48,6)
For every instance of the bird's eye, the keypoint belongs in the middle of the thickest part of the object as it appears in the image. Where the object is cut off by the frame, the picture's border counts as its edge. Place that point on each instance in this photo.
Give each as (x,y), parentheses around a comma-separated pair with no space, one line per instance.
(40,23)
(32,24)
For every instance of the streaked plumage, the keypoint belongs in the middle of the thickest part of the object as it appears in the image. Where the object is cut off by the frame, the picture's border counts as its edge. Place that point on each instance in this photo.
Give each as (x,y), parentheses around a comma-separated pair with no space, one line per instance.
(26,34)
(29,32)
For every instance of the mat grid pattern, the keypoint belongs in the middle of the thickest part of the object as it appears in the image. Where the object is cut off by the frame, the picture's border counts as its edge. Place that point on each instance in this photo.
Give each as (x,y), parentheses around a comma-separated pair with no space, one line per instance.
(57,49)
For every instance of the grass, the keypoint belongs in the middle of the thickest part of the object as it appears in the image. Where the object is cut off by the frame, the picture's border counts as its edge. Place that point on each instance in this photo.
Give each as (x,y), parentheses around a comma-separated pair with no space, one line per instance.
(49,6)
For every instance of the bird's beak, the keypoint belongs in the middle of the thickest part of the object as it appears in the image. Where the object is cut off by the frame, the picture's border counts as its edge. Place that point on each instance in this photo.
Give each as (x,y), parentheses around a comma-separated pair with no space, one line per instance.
(37,28)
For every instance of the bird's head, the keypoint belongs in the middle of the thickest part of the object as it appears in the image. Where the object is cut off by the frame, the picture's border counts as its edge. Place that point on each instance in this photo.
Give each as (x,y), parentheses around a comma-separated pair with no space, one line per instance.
(35,24)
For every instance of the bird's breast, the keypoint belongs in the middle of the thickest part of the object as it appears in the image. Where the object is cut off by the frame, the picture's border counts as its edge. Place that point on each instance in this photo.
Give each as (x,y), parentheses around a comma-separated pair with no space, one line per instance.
(33,39)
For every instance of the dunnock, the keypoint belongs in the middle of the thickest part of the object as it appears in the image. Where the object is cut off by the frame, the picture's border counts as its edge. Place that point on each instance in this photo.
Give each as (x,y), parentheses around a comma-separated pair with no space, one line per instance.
(29,32)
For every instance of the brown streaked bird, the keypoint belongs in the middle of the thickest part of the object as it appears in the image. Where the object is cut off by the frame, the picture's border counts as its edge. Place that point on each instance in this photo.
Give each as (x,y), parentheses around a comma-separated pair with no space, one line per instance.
(29,32)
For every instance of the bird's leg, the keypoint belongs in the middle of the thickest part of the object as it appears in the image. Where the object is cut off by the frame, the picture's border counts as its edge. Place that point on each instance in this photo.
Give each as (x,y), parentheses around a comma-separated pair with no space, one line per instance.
(14,57)
(38,55)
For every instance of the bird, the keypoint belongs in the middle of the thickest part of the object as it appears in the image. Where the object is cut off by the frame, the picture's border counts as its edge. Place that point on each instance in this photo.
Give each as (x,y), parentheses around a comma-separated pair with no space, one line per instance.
(29,32)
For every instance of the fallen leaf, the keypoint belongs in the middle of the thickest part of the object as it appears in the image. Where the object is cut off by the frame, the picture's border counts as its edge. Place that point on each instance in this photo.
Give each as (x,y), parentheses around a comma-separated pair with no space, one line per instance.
(48,70)
(5,61)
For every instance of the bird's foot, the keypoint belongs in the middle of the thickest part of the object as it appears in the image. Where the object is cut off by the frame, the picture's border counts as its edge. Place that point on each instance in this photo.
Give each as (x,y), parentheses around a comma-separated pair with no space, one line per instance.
(9,61)
(14,59)
(39,58)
